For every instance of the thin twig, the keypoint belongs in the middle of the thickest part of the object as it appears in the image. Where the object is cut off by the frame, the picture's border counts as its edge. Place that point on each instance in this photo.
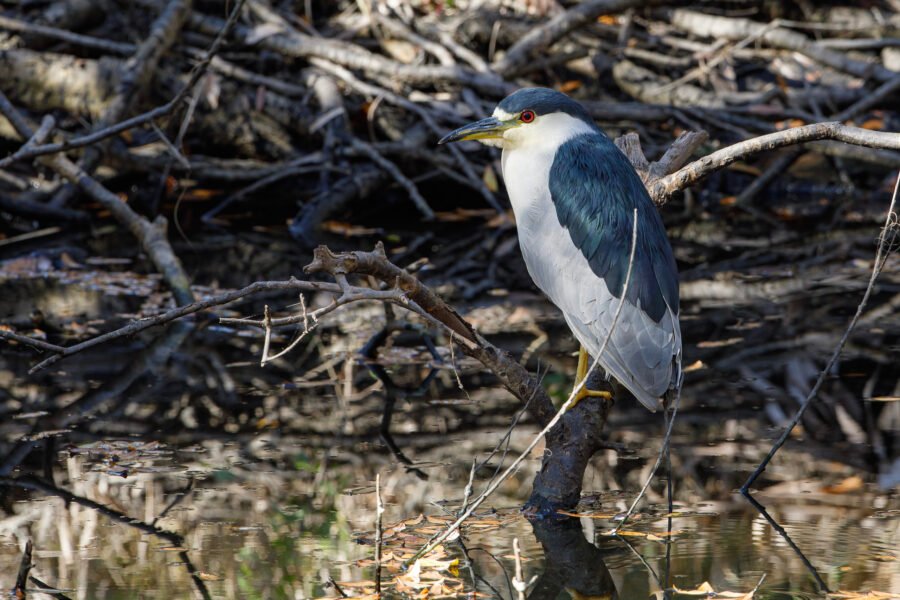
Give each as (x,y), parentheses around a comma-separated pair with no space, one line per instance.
(337,587)
(762,578)
(379,511)
(644,562)
(823,587)
(77,39)
(177,498)
(518,582)
(24,567)
(47,589)
(37,344)
(885,244)
(662,453)
(267,325)
(467,492)
(183,311)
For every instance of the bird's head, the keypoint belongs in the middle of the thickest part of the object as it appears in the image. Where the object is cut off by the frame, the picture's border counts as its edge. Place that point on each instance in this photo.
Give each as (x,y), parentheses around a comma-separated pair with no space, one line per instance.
(529,116)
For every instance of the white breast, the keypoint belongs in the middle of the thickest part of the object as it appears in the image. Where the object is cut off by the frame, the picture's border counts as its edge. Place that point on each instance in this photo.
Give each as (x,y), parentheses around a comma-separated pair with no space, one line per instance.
(553,261)
(527,158)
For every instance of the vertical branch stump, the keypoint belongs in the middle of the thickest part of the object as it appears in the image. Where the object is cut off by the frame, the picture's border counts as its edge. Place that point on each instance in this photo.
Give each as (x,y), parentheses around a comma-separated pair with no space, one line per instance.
(570,445)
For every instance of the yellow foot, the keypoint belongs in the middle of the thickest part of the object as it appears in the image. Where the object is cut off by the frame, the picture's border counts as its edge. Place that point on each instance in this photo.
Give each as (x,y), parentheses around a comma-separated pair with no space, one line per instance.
(586,393)
(582,372)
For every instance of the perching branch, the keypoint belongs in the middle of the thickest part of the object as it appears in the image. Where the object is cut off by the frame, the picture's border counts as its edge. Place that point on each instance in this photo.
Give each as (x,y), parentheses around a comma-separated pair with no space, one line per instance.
(514,376)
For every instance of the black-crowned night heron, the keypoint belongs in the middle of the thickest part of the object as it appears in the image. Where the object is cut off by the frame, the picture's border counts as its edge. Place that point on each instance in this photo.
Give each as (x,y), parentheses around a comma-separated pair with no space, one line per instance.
(574,194)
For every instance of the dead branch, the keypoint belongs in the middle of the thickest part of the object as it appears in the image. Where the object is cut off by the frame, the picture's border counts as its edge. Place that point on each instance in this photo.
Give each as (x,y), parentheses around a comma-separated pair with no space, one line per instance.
(134,78)
(85,41)
(293,43)
(697,170)
(675,156)
(704,25)
(167,317)
(373,90)
(650,87)
(19,591)
(111,130)
(542,37)
(34,343)
(74,15)
(376,264)
(45,81)
(140,68)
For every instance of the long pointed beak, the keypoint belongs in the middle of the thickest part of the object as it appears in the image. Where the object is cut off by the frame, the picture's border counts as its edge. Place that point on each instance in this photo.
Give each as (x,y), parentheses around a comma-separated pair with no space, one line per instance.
(489,128)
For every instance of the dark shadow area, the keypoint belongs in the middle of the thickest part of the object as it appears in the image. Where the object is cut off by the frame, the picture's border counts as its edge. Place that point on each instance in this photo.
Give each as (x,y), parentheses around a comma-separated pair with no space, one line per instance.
(571,562)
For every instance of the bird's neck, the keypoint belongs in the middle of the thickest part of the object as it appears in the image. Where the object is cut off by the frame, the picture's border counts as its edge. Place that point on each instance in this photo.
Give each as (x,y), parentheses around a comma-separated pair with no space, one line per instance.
(526,163)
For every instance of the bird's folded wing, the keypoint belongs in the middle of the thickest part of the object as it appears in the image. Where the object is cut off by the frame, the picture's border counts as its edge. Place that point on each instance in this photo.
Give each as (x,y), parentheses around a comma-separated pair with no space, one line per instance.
(641,354)
(596,194)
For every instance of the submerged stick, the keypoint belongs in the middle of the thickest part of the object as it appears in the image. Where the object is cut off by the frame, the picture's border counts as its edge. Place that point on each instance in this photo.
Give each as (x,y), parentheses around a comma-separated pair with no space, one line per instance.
(24,568)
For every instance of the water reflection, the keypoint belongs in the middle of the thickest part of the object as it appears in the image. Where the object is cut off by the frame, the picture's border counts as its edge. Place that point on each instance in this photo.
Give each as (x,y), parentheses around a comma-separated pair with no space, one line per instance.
(256,533)
(571,563)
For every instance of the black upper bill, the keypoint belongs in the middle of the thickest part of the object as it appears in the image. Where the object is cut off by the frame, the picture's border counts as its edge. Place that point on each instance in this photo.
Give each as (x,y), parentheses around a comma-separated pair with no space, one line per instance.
(491,127)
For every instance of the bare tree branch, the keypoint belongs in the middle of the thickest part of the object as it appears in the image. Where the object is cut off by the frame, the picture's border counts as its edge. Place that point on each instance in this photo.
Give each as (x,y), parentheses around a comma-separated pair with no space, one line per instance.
(543,36)
(176,313)
(136,121)
(663,188)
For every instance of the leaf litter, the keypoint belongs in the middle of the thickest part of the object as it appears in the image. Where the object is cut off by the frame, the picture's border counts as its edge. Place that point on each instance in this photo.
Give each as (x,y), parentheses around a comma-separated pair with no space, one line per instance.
(435,575)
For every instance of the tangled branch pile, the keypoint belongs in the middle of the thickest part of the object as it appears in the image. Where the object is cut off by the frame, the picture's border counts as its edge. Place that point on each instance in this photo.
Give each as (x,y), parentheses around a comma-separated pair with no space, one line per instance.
(311,121)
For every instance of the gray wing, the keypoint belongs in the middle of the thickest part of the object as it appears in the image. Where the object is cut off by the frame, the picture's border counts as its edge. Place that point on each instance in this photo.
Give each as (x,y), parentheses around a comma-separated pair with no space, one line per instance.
(643,355)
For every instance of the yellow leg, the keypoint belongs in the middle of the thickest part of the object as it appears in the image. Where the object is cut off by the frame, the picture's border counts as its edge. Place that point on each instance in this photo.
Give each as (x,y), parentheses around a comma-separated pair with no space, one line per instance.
(584,363)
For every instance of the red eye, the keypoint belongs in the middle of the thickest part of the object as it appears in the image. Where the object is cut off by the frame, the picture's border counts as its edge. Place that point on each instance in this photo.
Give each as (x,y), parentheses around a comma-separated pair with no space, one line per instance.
(527,116)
